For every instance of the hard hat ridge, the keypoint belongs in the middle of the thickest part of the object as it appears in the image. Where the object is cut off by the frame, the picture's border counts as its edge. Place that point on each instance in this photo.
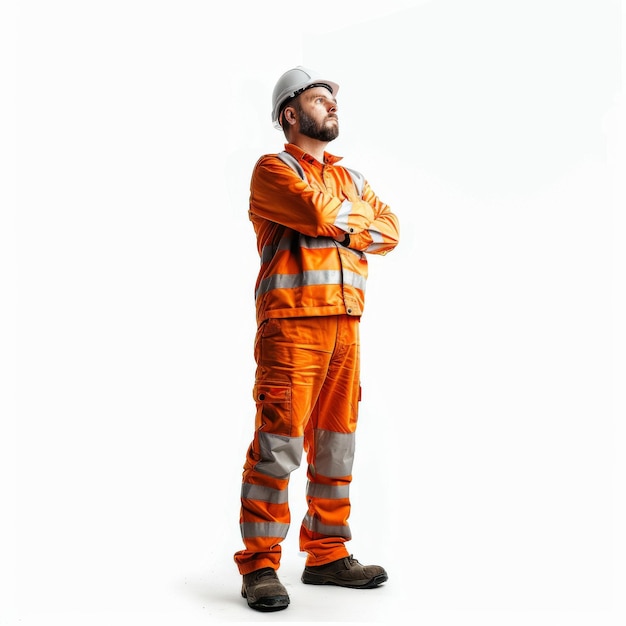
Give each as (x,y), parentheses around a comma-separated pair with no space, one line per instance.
(292,83)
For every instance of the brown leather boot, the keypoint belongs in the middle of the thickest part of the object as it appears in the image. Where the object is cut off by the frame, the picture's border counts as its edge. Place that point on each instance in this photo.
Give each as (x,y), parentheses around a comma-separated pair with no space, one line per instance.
(346,572)
(263,590)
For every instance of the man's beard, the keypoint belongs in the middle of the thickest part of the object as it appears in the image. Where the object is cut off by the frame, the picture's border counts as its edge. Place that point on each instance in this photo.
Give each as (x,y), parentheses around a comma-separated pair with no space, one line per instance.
(310,128)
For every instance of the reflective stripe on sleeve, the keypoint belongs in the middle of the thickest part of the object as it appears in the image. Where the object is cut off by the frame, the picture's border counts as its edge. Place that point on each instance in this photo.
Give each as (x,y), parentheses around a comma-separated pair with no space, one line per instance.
(341,221)
(374,246)
(377,241)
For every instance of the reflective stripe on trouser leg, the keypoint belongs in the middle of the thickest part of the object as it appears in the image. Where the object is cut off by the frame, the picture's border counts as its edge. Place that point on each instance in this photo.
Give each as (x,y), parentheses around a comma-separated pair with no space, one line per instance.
(265,517)
(329,442)
(294,360)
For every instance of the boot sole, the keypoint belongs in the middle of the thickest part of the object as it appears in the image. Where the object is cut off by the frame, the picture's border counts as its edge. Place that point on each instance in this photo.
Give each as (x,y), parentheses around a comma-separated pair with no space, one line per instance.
(276,603)
(311,579)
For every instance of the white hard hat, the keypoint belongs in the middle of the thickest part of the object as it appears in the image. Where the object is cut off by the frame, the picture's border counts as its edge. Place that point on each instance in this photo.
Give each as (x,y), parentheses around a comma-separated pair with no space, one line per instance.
(293,82)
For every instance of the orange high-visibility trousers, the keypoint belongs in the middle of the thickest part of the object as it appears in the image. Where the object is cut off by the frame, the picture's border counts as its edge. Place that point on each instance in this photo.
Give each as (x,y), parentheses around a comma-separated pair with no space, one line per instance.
(307,393)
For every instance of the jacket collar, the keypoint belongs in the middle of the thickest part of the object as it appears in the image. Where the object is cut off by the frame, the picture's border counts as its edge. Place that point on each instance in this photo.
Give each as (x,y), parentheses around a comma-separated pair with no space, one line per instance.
(301,155)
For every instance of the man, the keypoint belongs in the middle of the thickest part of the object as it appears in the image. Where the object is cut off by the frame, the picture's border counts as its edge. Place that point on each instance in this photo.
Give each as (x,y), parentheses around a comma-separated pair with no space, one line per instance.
(314,221)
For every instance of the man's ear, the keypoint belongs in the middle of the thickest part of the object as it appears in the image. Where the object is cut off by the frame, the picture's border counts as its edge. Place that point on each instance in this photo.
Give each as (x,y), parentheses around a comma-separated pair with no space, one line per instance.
(289,115)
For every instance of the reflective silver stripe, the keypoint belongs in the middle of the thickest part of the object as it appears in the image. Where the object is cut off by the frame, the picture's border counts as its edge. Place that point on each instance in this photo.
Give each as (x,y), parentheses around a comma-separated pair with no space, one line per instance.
(264,494)
(330,492)
(334,453)
(376,236)
(314,525)
(268,252)
(280,455)
(341,221)
(353,279)
(263,529)
(309,278)
(318,243)
(292,281)
(292,162)
(378,241)
(358,179)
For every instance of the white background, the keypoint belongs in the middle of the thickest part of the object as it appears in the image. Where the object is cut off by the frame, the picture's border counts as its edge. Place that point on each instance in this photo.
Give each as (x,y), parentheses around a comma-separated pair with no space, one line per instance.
(490,454)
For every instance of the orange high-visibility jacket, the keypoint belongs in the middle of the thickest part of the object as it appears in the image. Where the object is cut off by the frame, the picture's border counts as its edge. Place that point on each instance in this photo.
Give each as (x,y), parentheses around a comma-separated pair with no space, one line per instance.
(299,224)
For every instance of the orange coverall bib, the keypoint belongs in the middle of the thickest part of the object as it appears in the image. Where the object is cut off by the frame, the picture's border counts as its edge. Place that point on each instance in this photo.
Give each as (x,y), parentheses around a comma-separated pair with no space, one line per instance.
(306,392)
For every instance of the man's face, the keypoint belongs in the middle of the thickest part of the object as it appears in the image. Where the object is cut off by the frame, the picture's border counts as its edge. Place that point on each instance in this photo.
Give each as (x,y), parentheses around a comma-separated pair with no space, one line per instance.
(317,114)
